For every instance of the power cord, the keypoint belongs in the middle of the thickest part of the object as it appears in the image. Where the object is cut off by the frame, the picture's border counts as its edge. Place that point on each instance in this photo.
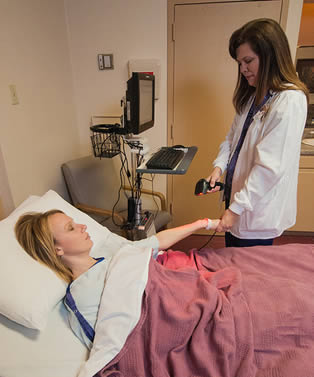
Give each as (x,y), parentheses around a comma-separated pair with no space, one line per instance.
(199,249)
(207,242)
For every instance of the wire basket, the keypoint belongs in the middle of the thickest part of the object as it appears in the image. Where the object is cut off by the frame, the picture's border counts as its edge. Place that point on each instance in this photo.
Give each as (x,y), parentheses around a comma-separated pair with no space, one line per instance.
(105,141)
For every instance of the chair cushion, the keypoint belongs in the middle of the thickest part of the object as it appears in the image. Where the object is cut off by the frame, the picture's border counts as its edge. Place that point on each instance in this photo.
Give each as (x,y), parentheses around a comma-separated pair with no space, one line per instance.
(94,182)
(162,219)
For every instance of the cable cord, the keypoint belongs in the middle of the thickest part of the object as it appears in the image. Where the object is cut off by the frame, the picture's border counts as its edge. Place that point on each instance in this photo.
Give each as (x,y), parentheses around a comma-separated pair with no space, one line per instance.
(124,162)
(207,242)
(127,170)
(124,173)
(114,206)
(157,206)
(153,196)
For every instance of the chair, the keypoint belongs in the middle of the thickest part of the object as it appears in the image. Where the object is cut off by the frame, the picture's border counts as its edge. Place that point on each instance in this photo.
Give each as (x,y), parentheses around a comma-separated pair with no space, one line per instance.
(93,186)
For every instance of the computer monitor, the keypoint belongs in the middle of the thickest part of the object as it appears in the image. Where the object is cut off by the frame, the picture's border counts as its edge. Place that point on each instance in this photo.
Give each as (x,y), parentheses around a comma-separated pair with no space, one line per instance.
(139,112)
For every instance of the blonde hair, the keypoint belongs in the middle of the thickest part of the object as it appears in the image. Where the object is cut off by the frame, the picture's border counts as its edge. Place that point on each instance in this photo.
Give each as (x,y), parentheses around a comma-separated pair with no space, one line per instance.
(276,69)
(34,235)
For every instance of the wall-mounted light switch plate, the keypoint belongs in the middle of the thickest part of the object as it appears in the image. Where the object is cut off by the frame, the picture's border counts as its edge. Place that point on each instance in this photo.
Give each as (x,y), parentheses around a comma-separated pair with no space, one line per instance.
(100,62)
(105,61)
(14,97)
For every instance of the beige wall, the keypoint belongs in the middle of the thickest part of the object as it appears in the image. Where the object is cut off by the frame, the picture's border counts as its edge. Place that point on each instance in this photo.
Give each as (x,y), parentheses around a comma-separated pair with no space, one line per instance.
(129,30)
(6,202)
(40,132)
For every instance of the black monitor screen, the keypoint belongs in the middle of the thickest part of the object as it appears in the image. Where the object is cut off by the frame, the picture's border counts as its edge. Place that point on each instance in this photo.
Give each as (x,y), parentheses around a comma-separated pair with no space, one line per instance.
(140,102)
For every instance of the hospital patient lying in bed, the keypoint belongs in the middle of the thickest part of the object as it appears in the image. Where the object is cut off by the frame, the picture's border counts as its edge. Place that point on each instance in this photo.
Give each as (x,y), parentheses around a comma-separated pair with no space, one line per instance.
(234,312)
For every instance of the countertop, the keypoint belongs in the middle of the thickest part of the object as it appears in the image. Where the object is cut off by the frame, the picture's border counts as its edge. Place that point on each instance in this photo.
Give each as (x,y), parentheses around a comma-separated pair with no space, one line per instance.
(307,150)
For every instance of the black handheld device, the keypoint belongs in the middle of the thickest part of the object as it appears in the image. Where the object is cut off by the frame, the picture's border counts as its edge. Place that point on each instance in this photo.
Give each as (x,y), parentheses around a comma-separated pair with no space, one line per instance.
(202,186)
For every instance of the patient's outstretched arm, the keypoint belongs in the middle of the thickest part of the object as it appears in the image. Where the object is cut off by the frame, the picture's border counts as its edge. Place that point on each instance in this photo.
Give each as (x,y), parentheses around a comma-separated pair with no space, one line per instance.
(169,237)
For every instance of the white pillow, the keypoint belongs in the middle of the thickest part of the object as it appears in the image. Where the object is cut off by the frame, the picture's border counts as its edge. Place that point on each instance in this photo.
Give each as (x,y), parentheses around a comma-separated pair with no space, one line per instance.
(28,289)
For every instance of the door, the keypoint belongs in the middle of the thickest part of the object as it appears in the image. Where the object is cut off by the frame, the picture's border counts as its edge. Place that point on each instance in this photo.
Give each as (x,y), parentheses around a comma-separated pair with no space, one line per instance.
(204,77)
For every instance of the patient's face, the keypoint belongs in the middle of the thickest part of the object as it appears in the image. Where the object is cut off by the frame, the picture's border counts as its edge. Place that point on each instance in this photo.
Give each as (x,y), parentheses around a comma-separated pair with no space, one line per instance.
(70,238)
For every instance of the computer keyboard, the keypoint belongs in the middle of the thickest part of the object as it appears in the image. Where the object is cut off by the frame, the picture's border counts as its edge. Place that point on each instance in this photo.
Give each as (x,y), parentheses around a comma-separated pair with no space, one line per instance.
(165,158)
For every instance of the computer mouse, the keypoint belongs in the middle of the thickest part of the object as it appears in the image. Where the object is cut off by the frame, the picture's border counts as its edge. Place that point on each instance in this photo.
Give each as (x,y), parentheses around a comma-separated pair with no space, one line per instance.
(178,146)
(202,186)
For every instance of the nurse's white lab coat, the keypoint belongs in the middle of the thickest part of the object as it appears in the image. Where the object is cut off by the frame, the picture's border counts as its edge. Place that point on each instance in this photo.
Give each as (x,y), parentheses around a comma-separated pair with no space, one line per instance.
(264,186)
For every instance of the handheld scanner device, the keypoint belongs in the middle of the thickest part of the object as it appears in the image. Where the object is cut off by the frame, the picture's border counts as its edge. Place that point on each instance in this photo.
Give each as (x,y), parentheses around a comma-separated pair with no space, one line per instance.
(202,186)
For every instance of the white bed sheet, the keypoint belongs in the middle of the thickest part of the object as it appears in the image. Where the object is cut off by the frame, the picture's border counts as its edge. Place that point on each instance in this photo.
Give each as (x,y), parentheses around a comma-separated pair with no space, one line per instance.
(52,352)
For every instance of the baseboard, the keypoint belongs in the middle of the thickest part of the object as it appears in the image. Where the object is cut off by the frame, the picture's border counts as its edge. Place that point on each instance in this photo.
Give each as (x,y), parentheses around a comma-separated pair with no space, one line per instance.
(298,233)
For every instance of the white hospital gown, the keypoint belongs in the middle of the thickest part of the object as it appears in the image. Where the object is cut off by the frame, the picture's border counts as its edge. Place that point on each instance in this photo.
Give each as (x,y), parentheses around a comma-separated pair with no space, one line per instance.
(86,291)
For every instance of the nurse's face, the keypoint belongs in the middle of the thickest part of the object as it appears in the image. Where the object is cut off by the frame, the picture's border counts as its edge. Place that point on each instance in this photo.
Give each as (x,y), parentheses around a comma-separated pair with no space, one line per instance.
(249,63)
(70,238)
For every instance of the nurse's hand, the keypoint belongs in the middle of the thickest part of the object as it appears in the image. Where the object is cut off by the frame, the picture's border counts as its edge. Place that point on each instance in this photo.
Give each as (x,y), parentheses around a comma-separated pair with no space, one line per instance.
(213,178)
(227,221)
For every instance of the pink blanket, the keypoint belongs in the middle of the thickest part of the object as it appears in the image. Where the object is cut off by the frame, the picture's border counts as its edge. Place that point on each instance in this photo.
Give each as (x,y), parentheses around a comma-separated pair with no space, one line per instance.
(240,312)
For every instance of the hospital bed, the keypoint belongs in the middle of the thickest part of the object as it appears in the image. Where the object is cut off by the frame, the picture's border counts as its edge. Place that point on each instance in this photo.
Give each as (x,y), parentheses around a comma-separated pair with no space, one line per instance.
(36,340)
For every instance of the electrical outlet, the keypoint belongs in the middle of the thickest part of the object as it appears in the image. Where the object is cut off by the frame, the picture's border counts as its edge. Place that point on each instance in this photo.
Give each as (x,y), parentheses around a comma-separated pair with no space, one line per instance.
(14,97)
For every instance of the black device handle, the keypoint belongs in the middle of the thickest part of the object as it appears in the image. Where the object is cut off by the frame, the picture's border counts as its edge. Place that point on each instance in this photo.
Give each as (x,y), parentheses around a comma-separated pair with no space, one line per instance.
(220,184)
(202,186)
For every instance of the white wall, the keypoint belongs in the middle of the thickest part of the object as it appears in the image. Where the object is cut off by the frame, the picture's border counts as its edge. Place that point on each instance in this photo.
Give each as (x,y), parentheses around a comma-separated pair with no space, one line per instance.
(39,133)
(135,29)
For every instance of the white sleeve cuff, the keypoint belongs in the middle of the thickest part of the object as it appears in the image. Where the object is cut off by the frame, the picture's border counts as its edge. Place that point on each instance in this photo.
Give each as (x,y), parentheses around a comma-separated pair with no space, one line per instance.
(234,207)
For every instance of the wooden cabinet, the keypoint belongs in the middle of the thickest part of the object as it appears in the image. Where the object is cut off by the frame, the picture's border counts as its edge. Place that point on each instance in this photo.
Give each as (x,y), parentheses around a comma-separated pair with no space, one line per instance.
(305,215)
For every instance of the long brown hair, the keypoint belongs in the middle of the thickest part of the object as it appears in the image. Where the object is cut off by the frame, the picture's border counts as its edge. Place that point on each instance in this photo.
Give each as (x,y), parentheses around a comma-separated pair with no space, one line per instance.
(33,234)
(276,69)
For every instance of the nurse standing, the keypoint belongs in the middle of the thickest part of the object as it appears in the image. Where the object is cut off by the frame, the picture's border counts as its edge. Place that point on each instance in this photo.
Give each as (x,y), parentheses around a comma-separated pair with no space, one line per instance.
(261,152)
